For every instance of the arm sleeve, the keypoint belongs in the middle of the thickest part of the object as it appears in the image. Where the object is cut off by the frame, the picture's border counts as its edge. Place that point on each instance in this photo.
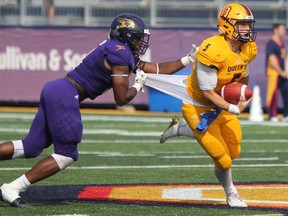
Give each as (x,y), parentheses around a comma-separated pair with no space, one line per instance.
(207,76)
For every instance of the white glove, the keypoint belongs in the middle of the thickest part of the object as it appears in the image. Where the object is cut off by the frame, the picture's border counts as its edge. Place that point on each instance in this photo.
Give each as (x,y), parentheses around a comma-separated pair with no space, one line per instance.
(140,79)
(193,52)
(191,56)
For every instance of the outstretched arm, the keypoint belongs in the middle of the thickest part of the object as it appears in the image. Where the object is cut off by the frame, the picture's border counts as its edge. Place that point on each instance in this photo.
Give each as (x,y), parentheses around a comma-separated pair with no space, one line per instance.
(169,67)
(162,68)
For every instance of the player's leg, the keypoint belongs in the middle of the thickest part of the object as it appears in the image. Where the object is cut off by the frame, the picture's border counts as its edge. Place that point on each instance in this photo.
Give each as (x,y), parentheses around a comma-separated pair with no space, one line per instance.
(233,199)
(177,127)
(283,85)
(11,149)
(213,143)
(62,112)
(56,118)
(232,136)
(30,147)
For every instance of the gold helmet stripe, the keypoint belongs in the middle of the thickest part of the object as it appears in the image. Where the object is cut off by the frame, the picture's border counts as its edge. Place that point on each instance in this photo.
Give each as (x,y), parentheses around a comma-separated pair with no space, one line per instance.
(126,23)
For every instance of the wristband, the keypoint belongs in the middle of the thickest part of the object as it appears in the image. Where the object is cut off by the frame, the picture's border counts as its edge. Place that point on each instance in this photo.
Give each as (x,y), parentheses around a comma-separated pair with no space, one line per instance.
(137,86)
(234,109)
(157,68)
(185,60)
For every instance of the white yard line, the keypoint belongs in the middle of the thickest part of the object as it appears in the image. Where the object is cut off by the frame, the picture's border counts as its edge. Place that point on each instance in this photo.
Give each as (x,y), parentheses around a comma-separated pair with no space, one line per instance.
(143,154)
(151,167)
(138,133)
(71,215)
(265,215)
(85,117)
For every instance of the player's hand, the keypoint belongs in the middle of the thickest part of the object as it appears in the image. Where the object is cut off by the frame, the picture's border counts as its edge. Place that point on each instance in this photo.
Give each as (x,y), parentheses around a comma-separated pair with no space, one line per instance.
(192,54)
(140,79)
(242,104)
(240,107)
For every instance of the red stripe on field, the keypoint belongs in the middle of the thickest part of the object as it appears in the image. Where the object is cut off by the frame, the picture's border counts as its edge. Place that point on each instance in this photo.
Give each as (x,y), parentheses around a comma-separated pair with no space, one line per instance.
(95,192)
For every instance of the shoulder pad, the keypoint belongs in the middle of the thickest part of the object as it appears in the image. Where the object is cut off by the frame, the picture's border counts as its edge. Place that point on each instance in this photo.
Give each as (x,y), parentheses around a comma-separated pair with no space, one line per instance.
(211,51)
(118,53)
(250,50)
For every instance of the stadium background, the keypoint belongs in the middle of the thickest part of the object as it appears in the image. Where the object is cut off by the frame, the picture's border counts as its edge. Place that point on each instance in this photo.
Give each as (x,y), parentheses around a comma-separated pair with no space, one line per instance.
(36,48)
(121,148)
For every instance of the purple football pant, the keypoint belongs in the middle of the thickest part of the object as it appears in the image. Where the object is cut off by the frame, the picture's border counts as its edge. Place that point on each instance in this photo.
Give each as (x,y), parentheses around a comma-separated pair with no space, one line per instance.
(57,121)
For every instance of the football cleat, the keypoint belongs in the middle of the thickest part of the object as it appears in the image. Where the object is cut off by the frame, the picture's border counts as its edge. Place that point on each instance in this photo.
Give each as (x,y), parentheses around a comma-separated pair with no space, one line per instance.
(20,204)
(172,130)
(234,200)
(11,196)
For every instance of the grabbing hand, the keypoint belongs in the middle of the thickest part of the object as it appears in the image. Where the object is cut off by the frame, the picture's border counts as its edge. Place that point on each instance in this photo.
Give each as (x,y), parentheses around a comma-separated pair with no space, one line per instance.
(140,79)
(191,56)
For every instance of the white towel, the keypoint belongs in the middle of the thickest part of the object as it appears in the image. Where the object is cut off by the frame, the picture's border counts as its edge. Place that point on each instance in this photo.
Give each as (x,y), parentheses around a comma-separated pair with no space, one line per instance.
(174,85)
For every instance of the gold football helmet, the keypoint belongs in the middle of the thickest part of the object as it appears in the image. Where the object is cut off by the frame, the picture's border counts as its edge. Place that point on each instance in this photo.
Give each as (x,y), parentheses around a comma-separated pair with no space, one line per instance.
(233,14)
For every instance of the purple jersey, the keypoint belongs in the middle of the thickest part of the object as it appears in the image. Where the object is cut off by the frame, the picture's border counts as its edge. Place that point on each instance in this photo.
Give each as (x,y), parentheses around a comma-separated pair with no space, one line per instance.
(92,74)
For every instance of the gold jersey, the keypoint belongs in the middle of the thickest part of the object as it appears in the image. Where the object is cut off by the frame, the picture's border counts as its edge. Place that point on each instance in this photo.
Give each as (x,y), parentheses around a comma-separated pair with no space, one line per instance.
(215,52)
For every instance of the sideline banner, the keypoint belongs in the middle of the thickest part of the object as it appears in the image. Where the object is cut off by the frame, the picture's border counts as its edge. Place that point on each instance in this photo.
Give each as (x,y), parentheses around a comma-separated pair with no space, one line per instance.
(30,57)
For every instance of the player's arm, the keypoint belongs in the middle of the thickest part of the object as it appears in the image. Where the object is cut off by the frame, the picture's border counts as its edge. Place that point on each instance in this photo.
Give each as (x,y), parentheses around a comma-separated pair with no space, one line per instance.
(120,82)
(207,79)
(169,67)
(162,68)
(273,62)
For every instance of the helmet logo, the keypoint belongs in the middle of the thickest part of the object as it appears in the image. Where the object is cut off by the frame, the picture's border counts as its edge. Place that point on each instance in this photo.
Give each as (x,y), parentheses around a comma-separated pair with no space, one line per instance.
(225,12)
(120,47)
(126,23)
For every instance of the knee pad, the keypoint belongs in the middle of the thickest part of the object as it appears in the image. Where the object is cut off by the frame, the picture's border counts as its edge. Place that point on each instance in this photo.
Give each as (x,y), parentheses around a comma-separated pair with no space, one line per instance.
(235,152)
(223,162)
(62,161)
(18,149)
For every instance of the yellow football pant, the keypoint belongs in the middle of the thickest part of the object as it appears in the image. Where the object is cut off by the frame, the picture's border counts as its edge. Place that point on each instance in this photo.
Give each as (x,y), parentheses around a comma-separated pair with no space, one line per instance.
(222,138)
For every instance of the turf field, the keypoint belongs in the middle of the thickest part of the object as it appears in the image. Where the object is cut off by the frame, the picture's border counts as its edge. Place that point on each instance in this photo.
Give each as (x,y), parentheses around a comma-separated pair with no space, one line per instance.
(123,170)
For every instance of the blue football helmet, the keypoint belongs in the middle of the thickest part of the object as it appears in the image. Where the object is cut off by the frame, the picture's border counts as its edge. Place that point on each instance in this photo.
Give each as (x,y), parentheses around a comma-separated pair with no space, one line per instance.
(131,30)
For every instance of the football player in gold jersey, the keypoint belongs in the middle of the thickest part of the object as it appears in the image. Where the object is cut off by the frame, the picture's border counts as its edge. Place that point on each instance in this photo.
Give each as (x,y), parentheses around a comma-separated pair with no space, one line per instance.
(221,59)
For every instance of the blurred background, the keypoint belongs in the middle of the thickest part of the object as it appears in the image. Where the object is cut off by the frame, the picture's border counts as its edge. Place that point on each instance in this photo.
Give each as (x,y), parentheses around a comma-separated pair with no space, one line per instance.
(42,40)
(157,13)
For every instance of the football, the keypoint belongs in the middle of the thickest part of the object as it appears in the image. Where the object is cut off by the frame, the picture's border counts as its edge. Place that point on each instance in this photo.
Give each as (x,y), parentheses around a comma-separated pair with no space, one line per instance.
(233,91)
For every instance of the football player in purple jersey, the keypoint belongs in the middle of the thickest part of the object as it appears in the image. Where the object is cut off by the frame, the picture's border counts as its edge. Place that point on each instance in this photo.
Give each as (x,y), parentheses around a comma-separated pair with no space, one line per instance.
(58,120)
